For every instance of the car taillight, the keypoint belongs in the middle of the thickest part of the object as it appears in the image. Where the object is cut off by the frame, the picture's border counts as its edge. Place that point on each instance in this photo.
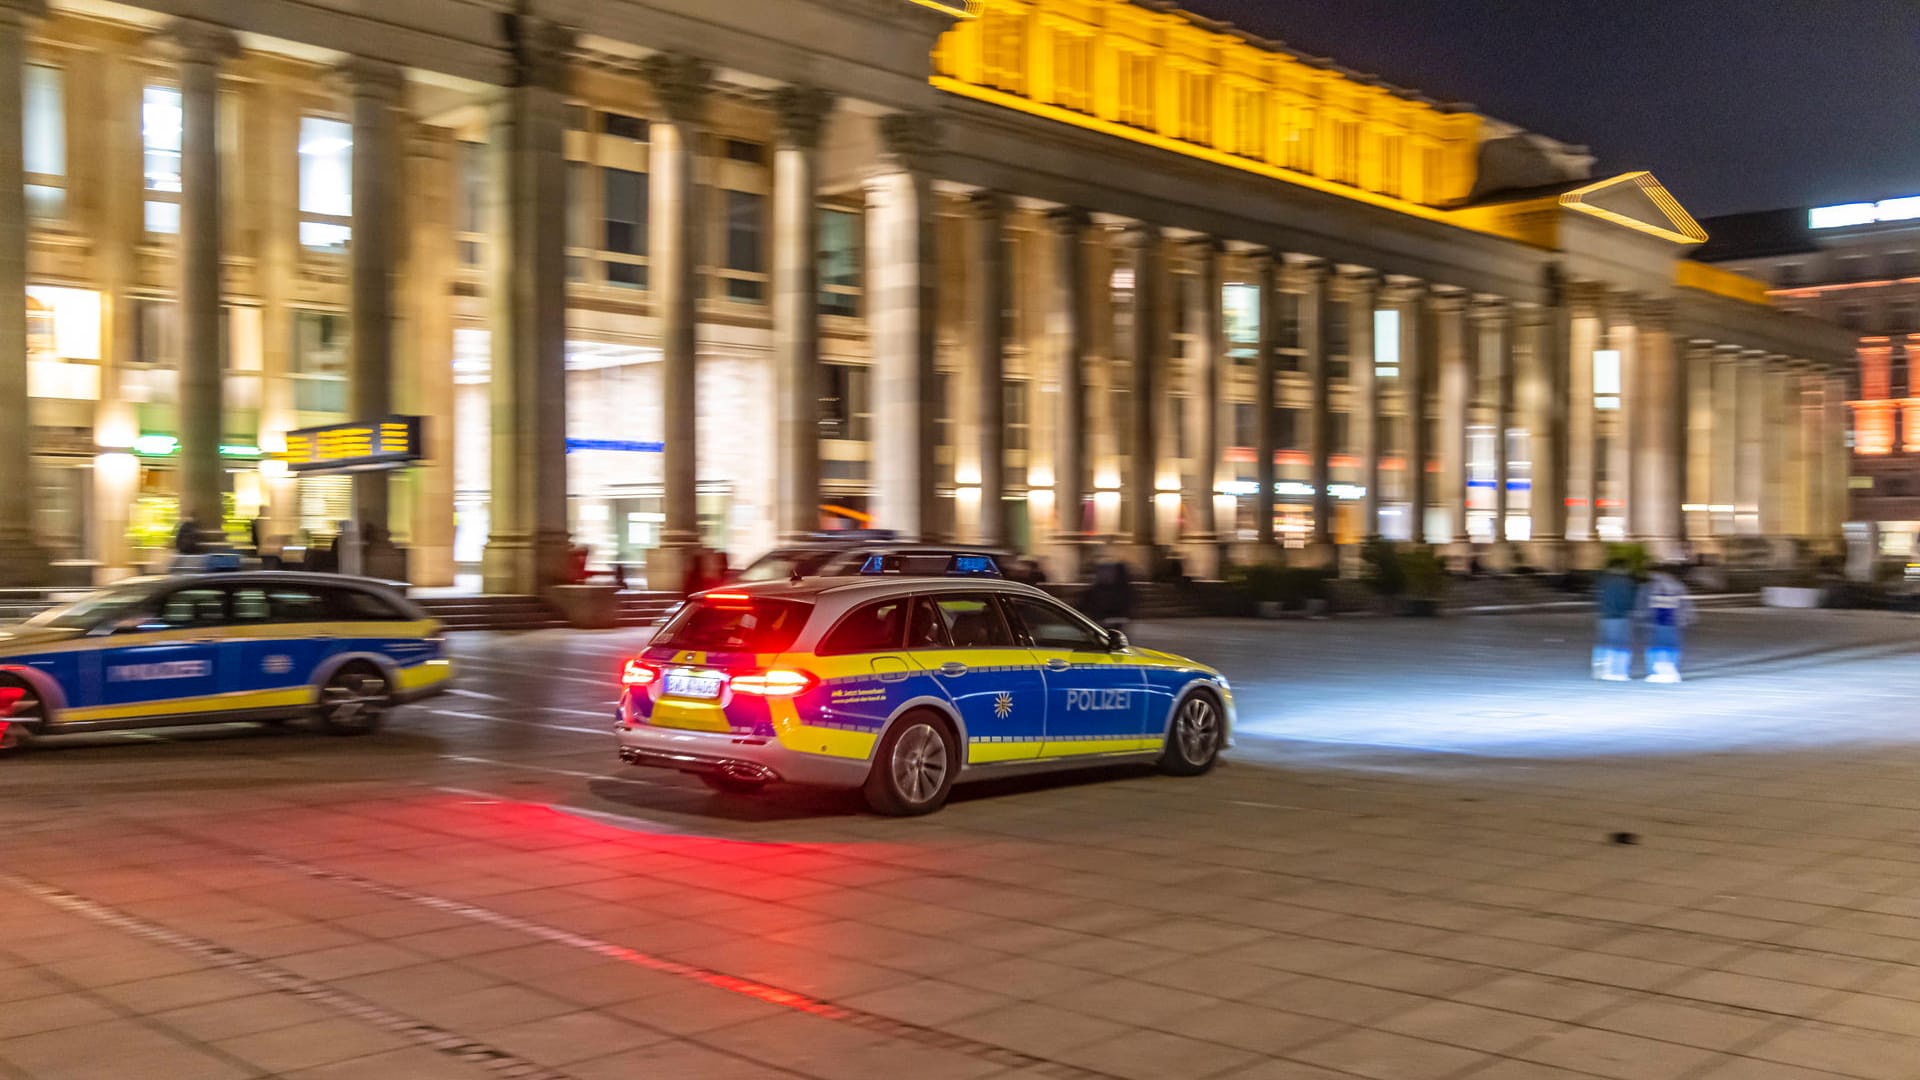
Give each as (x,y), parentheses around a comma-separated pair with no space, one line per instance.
(775,682)
(639,674)
(9,697)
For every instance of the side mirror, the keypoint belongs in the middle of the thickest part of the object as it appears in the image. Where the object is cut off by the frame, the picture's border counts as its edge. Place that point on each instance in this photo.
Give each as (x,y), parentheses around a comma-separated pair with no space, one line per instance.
(1116,641)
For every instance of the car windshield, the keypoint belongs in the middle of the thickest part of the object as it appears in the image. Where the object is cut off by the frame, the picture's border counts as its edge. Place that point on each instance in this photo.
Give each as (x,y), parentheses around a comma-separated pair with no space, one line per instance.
(735,624)
(786,563)
(102,607)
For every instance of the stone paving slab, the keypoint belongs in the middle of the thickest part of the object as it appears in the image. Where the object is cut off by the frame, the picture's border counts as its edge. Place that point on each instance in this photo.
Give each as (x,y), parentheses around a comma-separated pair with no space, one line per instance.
(1407,869)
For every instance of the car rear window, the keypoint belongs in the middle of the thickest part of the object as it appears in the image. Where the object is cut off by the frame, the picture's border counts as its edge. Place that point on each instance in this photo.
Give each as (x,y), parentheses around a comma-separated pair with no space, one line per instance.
(757,625)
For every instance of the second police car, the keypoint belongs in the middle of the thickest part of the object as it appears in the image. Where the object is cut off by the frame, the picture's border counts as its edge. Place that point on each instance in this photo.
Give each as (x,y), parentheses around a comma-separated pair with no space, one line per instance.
(900,686)
(210,648)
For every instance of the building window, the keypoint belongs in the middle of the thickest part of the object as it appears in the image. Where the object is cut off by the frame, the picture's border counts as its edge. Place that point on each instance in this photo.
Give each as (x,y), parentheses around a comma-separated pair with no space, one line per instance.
(326,184)
(470,214)
(1240,304)
(622,126)
(1334,348)
(1073,70)
(1287,353)
(1386,343)
(839,263)
(745,274)
(1018,418)
(156,334)
(846,410)
(1900,319)
(160,134)
(319,362)
(746,152)
(1286,428)
(1606,379)
(624,246)
(582,212)
(45,143)
(1243,425)
(1339,433)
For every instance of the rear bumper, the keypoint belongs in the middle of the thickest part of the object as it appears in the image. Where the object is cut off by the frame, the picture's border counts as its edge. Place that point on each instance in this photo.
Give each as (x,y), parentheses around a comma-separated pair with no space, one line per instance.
(717,754)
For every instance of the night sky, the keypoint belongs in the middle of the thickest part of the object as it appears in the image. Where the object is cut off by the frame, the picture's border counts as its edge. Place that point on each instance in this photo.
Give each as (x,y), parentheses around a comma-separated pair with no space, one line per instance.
(1734,104)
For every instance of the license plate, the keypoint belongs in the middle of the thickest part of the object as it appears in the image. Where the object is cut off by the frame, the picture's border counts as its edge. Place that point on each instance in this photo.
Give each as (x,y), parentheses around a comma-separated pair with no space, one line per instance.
(692,686)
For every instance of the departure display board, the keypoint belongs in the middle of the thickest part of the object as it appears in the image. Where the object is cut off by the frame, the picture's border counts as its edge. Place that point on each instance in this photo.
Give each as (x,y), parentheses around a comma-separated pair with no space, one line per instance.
(387,443)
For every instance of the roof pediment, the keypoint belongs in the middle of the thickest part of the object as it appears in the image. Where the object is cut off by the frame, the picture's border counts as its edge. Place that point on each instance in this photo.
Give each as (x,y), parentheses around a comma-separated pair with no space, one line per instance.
(1636,201)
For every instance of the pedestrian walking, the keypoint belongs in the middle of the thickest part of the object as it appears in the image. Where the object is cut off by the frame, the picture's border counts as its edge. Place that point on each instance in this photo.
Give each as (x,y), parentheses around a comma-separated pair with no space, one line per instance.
(1614,599)
(1668,610)
(1109,598)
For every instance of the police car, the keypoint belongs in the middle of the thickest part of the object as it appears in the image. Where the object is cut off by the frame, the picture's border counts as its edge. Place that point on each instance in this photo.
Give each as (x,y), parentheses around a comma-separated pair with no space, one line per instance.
(217,647)
(901,686)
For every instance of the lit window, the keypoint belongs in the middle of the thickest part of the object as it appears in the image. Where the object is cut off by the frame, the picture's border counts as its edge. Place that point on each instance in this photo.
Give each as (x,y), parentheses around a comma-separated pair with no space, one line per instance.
(1606,379)
(1386,343)
(45,142)
(326,184)
(160,136)
(839,263)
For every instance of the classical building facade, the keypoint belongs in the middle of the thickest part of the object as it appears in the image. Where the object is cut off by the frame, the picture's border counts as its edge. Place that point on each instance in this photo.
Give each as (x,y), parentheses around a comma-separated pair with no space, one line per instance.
(1857,266)
(659,273)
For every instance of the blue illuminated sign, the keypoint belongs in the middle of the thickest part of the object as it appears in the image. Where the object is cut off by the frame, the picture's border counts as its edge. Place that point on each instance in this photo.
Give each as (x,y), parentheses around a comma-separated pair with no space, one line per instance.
(621,446)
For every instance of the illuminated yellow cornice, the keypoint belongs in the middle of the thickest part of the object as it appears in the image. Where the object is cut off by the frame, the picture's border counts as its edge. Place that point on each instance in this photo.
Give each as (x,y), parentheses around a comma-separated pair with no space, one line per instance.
(1711,279)
(959,9)
(1683,229)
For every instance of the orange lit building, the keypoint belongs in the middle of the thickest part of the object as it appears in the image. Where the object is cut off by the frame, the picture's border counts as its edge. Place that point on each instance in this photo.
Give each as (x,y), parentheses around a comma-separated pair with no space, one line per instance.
(1856,265)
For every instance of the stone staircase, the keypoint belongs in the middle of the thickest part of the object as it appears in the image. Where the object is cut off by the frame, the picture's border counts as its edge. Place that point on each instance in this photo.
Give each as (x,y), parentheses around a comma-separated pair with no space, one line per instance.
(646,608)
(459,613)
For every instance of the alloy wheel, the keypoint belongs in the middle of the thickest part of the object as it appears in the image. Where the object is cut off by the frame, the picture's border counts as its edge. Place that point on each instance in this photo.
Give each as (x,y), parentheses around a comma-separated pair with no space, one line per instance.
(919,764)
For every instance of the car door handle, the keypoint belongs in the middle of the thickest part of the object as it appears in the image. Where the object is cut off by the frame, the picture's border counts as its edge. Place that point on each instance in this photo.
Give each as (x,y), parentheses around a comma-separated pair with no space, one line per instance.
(1057,664)
(953,667)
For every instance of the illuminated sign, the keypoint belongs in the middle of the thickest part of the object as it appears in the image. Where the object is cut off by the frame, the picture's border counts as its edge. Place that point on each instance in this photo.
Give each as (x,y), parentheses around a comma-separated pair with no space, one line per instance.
(386,443)
(1905,208)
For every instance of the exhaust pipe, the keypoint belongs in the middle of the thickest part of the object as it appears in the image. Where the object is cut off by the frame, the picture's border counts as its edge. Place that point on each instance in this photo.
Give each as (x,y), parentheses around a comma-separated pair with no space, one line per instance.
(747,771)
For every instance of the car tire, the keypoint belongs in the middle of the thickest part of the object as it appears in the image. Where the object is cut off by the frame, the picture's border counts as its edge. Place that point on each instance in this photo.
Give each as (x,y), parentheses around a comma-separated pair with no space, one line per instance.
(732,785)
(914,767)
(1194,736)
(354,701)
(23,721)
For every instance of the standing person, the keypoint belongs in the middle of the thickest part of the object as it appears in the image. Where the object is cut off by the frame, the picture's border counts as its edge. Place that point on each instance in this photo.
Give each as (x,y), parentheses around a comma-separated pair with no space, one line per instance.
(186,538)
(1614,600)
(1109,599)
(1669,611)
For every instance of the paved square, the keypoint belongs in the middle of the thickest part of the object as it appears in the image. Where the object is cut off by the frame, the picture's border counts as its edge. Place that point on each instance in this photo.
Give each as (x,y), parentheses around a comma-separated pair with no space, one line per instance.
(1405,869)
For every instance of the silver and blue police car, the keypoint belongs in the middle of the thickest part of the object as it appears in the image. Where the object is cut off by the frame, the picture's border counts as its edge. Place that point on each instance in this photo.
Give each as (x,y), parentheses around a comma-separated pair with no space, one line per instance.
(211,648)
(902,686)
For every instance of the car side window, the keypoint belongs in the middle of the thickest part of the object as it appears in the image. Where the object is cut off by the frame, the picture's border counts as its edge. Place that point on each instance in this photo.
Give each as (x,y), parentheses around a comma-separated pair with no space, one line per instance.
(972,621)
(188,608)
(249,604)
(1052,627)
(874,627)
(925,628)
(353,605)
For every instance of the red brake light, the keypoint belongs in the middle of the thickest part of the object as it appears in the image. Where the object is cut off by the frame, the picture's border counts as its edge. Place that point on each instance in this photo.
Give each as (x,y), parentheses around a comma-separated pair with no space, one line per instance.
(9,697)
(775,682)
(638,673)
(732,597)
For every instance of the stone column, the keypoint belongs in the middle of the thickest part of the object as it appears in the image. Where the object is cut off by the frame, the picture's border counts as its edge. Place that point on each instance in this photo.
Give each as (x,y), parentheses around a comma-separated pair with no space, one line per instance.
(527,304)
(1206,376)
(1316,308)
(800,112)
(378,170)
(118,226)
(1583,489)
(1703,429)
(1364,393)
(1620,333)
(1072,343)
(22,561)
(1657,426)
(1727,456)
(986,300)
(1839,489)
(675,227)
(1458,347)
(1813,419)
(900,296)
(1547,424)
(1776,450)
(1266,277)
(1750,453)
(1149,346)
(1496,320)
(198,49)
(424,494)
(1419,361)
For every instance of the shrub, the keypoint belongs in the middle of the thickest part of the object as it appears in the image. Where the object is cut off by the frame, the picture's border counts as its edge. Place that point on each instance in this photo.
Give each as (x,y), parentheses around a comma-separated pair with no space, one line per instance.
(1274,583)
(1638,561)
(1383,572)
(1424,572)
